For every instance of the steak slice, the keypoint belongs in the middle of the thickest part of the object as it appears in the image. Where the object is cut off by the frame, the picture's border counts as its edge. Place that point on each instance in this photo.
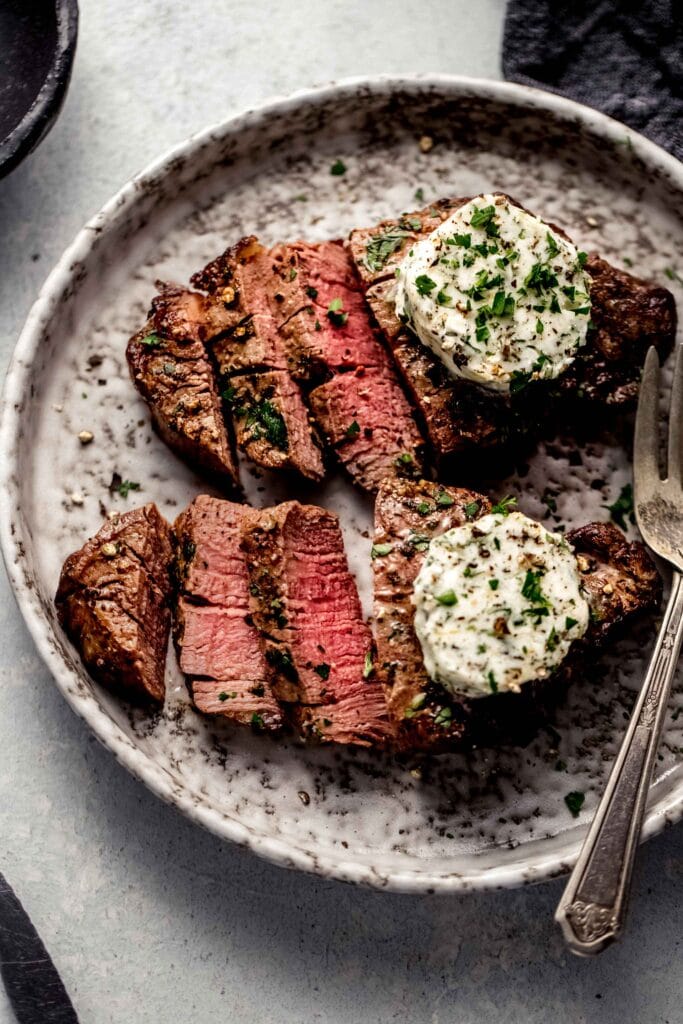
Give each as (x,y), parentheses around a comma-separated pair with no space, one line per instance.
(300,308)
(172,371)
(407,516)
(269,414)
(619,578)
(219,649)
(629,314)
(305,602)
(368,423)
(113,602)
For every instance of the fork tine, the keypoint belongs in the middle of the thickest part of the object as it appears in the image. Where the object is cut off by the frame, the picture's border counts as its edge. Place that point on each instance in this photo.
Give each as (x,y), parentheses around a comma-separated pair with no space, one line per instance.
(646,439)
(676,421)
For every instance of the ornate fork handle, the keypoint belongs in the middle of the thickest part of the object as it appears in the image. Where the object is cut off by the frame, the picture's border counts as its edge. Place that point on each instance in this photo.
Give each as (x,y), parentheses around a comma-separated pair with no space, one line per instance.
(593,907)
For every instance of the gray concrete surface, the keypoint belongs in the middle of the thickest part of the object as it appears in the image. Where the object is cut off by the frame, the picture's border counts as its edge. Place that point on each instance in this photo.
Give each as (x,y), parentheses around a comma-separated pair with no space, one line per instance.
(149,919)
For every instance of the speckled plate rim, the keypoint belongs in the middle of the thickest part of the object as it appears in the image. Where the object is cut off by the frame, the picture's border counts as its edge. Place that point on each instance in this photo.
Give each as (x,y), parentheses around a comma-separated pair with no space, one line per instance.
(666,806)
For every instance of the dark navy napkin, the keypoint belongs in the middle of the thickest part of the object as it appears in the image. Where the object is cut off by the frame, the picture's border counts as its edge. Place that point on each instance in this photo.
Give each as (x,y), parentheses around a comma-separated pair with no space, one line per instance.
(625,58)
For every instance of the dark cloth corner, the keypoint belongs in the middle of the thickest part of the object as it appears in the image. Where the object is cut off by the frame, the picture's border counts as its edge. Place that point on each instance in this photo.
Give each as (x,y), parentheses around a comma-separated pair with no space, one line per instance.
(624,58)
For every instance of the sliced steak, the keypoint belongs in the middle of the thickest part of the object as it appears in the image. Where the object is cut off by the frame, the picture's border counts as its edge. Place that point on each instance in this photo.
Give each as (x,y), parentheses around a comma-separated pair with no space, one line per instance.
(305,602)
(219,648)
(629,314)
(113,602)
(300,308)
(619,578)
(269,414)
(368,423)
(172,371)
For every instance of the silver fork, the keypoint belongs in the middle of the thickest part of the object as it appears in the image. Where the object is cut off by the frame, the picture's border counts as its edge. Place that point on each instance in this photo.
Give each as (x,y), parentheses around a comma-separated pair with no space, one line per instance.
(593,907)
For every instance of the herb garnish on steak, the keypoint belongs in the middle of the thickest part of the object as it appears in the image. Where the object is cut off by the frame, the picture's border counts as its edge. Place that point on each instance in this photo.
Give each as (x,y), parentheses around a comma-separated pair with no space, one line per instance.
(618,577)
(627,313)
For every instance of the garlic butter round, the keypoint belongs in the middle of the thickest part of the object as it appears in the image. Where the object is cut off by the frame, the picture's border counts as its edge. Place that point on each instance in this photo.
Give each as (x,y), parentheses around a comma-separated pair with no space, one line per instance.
(498,602)
(497,295)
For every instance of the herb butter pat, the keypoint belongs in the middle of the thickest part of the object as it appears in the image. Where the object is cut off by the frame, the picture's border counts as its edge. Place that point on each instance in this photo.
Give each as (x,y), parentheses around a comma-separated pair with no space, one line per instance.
(498,296)
(514,605)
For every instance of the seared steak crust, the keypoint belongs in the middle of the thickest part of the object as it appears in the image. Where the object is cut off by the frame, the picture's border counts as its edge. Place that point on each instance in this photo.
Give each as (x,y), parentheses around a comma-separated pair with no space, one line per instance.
(629,314)
(619,578)
(113,602)
(318,647)
(219,649)
(170,368)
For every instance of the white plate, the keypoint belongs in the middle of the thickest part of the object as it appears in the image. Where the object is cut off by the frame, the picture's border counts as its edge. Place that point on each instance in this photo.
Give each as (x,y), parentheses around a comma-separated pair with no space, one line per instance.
(493,818)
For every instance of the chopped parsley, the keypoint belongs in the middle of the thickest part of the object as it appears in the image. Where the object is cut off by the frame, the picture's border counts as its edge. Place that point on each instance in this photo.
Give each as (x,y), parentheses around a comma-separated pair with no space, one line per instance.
(126,486)
(151,340)
(335,313)
(381,247)
(444,500)
(424,284)
(323,670)
(282,661)
(492,682)
(531,588)
(503,305)
(265,421)
(582,259)
(503,507)
(552,641)
(416,703)
(380,550)
(353,430)
(448,598)
(574,802)
(485,218)
(540,279)
(569,623)
(443,717)
(311,291)
(257,721)
(493,584)
(424,508)
(368,665)
(518,381)
(419,195)
(338,168)
(471,509)
(553,247)
(229,394)
(622,507)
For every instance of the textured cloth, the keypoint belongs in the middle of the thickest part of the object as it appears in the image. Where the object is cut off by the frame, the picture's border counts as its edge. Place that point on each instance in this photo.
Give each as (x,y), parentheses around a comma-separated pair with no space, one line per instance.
(625,58)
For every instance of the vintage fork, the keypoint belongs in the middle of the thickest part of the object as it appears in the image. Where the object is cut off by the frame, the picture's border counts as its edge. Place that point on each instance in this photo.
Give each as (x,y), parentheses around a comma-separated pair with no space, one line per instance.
(593,907)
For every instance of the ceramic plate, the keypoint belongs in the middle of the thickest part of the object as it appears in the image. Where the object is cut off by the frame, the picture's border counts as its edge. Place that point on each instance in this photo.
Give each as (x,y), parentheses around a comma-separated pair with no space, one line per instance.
(491,818)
